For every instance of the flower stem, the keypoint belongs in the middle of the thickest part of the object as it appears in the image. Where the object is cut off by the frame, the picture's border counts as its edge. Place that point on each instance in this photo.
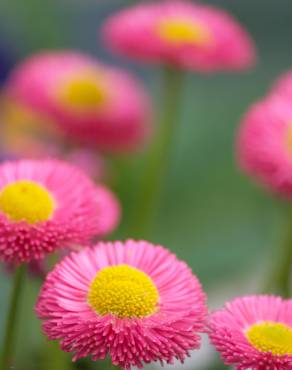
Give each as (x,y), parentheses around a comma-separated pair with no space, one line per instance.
(11,323)
(155,168)
(280,279)
(54,357)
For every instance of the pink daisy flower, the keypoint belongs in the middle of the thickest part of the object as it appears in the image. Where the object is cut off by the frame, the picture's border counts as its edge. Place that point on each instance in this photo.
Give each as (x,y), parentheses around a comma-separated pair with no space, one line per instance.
(92,103)
(190,36)
(283,86)
(254,333)
(265,144)
(133,301)
(46,205)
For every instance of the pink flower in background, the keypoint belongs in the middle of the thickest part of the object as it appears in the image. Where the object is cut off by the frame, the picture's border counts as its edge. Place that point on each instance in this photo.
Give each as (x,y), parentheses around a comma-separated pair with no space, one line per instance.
(46,205)
(283,86)
(264,146)
(192,36)
(109,211)
(133,301)
(89,161)
(90,102)
(254,332)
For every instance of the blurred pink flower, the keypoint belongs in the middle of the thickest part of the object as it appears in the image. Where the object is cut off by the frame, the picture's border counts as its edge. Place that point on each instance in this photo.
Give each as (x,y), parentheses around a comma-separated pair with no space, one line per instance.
(89,161)
(25,134)
(90,102)
(254,332)
(109,210)
(264,146)
(191,36)
(133,301)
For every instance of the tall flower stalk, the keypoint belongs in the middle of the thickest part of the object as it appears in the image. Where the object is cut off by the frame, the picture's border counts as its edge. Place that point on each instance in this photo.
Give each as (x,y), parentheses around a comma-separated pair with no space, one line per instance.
(6,361)
(279,280)
(264,152)
(156,162)
(183,35)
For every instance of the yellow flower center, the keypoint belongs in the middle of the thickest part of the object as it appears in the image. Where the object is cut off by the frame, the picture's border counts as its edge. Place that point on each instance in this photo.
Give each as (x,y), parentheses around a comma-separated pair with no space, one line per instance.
(123,291)
(82,92)
(177,30)
(271,337)
(26,200)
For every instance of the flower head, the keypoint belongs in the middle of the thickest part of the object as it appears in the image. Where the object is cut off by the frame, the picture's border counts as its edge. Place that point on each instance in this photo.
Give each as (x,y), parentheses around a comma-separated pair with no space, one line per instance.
(265,144)
(133,300)
(254,332)
(46,205)
(190,36)
(91,103)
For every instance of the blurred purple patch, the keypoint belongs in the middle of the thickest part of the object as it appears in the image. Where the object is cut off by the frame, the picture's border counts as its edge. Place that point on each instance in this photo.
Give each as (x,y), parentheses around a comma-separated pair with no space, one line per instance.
(6,62)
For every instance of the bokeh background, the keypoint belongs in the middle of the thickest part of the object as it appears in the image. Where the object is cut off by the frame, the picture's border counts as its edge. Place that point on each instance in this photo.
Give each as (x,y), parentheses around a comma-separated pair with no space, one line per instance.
(225,227)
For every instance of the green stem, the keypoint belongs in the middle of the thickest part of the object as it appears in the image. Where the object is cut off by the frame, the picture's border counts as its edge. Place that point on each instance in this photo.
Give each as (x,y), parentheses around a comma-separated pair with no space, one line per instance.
(54,357)
(155,168)
(280,279)
(11,323)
